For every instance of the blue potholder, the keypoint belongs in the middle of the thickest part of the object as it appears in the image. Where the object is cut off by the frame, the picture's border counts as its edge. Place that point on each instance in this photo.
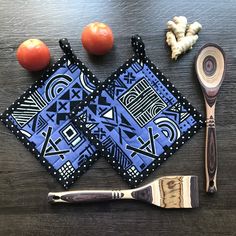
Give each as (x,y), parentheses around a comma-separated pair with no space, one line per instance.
(137,118)
(39,118)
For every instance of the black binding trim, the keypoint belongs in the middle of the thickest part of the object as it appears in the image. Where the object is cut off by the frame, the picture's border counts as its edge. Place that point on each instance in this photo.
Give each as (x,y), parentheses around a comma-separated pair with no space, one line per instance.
(69,55)
(169,152)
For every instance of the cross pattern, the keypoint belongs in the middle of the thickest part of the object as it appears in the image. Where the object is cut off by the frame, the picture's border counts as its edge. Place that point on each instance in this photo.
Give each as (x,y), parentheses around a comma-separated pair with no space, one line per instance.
(100,133)
(52,149)
(147,148)
(62,106)
(75,94)
(129,78)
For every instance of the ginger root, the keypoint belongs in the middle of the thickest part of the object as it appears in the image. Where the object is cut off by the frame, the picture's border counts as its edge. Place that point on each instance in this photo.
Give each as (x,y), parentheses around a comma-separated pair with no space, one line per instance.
(181,36)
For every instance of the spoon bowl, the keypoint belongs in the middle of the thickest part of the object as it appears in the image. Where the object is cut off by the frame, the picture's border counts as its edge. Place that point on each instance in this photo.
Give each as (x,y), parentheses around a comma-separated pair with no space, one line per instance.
(210,66)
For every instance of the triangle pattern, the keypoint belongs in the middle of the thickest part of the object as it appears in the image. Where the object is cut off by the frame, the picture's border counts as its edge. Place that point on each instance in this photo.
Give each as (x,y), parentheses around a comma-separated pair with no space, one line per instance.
(178,112)
(176,107)
(103,101)
(124,120)
(129,134)
(84,94)
(83,117)
(53,107)
(115,87)
(73,104)
(66,95)
(110,128)
(110,89)
(119,83)
(41,123)
(91,118)
(76,85)
(93,108)
(109,114)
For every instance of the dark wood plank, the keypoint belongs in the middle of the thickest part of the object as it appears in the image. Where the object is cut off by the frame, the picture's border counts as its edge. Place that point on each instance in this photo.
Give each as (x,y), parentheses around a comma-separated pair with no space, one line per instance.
(24,183)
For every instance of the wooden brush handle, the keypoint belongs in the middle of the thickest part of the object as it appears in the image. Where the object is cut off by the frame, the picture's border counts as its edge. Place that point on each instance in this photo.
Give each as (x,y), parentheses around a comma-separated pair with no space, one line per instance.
(84,196)
(211,151)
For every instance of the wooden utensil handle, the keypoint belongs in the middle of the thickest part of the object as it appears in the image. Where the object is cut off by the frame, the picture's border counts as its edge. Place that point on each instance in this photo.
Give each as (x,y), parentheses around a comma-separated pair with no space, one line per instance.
(211,151)
(84,196)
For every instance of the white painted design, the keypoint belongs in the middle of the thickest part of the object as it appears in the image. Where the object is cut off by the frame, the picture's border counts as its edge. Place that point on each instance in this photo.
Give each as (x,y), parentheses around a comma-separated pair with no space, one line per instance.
(142,102)
(169,128)
(83,82)
(109,114)
(69,132)
(29,108)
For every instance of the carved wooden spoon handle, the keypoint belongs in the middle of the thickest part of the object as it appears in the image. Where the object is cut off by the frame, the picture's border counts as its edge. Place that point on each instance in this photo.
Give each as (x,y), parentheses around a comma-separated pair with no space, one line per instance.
(211,151)
(210,68)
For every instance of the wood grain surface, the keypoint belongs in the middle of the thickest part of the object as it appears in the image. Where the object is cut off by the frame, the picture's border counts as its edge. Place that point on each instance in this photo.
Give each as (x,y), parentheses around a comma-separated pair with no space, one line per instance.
(24,184)
(165,192)
(210,69)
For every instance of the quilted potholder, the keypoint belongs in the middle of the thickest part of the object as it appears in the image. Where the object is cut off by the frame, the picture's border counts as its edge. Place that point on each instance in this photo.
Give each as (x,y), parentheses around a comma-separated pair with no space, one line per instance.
(39,118)
(137,118)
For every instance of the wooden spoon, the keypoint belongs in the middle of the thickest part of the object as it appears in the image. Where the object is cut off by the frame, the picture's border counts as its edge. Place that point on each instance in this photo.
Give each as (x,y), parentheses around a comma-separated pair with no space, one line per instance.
(165,192)
(210,68)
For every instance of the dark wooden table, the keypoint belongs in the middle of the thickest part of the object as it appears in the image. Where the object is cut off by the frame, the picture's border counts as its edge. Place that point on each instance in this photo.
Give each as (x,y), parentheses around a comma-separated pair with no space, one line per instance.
(24,184)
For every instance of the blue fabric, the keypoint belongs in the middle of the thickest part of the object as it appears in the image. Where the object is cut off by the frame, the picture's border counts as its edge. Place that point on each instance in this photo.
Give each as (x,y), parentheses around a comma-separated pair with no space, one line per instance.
(40,119)
(137,120)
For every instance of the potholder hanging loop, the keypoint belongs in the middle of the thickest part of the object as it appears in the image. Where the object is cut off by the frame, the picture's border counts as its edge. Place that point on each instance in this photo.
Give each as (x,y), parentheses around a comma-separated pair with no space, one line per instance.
(138,46)
(66,48)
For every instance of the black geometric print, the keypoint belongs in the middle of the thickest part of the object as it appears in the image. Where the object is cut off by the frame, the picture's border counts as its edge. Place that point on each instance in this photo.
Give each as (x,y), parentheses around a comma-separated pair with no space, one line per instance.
(146,147)
(141,118)
(142,102)
(117,152)
(39,118)
(56,85)
(51,149)
(115,87)
(29,108)
(178,112)
(129,77)
(39,123)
